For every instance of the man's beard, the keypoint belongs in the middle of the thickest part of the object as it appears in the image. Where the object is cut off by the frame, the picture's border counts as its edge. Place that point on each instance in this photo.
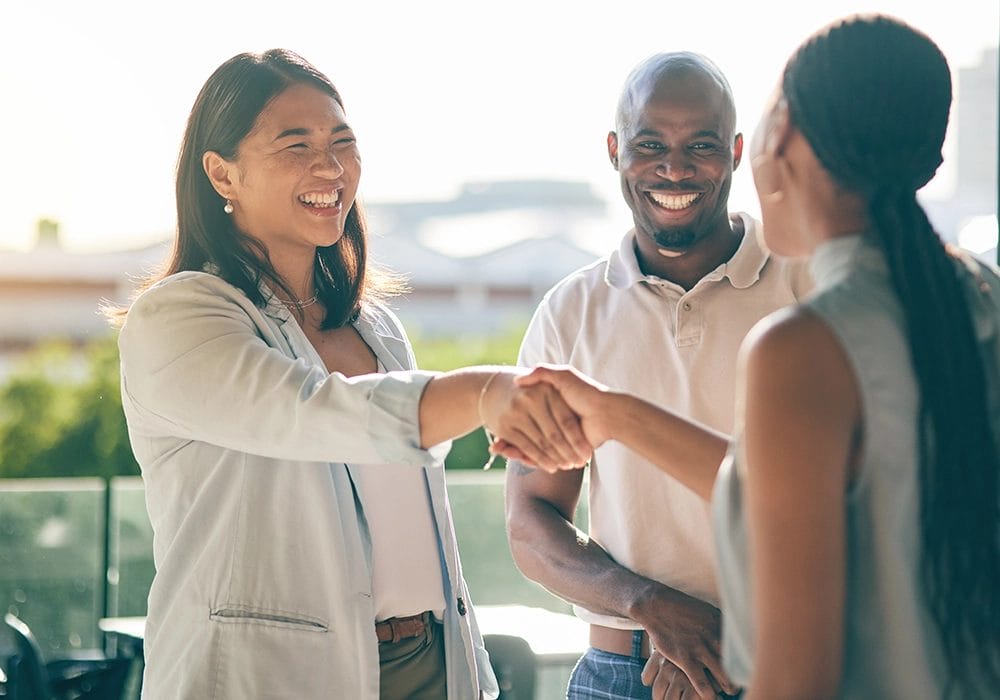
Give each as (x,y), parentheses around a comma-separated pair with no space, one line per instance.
(675,238)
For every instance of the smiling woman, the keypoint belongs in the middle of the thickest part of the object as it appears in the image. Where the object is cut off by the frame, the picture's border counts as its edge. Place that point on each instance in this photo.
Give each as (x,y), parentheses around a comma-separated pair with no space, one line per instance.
(299,147)
(289,181)
(282,429)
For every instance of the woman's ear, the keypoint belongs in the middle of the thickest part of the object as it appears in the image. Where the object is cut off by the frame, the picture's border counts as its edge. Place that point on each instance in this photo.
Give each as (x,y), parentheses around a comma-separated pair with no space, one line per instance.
(779,131)
(767,160)
(219,172)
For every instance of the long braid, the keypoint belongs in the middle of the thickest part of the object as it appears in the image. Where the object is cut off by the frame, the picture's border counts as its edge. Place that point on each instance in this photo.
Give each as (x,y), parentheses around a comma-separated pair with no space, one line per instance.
(957,449)
(876,120)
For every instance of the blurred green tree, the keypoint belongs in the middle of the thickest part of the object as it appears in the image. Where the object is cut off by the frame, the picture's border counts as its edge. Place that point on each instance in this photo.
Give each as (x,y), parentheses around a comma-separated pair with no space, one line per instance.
(61,413)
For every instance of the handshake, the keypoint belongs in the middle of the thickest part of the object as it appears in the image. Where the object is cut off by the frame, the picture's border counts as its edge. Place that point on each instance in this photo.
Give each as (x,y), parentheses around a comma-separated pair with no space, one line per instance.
(550,417)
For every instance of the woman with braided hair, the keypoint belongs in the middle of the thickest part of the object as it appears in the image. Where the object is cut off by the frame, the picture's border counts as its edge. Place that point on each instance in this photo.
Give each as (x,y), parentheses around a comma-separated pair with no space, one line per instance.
(856,509)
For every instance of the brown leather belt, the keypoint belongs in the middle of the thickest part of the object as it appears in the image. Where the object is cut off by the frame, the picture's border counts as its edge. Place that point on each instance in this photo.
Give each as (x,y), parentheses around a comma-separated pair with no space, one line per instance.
(617,641)
(396,628)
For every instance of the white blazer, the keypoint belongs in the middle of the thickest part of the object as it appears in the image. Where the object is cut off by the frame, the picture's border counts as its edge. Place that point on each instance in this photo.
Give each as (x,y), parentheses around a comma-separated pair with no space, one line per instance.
(246,445)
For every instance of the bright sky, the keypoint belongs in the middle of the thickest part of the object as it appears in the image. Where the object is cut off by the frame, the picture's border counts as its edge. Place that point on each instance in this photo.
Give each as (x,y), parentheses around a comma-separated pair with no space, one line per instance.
(96,94)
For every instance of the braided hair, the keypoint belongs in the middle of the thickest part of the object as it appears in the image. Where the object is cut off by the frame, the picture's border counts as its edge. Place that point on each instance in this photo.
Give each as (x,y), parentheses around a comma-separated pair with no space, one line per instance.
(871,95)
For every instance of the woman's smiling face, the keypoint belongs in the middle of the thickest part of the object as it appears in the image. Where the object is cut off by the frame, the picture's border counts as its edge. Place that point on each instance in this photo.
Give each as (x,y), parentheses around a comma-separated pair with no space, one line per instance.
(295,175)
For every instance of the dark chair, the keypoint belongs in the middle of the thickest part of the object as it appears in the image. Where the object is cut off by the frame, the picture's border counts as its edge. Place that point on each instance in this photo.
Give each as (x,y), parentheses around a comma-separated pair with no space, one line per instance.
(514,664)
(28,677)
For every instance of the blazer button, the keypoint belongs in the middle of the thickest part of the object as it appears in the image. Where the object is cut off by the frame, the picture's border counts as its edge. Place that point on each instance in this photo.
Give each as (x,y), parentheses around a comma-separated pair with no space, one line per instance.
(461,607)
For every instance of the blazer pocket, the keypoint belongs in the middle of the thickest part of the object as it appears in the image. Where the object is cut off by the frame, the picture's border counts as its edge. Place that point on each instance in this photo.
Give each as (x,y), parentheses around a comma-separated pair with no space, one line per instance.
(251,615)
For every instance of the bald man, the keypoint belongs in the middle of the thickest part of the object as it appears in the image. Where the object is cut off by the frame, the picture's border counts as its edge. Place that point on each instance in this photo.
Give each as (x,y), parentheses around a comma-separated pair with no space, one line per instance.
(661,317)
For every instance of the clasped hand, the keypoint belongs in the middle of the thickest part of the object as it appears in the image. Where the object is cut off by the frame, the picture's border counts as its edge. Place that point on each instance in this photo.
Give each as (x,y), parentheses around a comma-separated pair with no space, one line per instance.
(550,418)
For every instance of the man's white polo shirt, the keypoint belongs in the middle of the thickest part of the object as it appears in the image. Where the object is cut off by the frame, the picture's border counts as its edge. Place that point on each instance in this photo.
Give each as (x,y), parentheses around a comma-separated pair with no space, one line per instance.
(647,336)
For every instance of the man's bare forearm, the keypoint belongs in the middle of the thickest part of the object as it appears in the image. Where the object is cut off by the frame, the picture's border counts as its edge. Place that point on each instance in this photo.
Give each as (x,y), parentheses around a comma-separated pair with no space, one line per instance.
(553,552)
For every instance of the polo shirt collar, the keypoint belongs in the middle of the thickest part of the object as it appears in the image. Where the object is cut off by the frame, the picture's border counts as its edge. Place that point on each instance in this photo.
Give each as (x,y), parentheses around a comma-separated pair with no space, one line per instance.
(743,269)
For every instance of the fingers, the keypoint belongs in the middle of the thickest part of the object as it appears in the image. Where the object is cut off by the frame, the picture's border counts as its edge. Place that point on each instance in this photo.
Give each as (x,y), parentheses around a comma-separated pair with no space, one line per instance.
(666,681)
(515,414)
(693,671)
(532,378)
(509,452)
(557,376)
(543,428)
(532,447)
(537,421)
(691,643)
(679,688)
(716,676)
(552,438)
(570,432)
(697,677)
(652,668)
(542,373)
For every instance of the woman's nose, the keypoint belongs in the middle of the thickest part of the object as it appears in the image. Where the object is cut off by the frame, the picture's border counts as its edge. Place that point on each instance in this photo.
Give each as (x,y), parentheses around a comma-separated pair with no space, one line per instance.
(327,164)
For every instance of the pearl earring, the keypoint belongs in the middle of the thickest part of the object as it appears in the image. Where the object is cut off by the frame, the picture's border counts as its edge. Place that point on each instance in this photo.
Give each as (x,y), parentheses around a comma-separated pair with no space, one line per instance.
(228,208)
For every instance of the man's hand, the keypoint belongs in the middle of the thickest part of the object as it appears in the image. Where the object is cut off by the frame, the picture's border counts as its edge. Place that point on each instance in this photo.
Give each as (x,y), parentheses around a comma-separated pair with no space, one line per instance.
(666,680)
(684,633)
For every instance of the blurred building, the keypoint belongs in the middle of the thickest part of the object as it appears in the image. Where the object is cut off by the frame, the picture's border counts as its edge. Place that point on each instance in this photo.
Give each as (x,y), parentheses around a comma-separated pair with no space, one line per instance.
(479,263)
(475,264)
(49,293)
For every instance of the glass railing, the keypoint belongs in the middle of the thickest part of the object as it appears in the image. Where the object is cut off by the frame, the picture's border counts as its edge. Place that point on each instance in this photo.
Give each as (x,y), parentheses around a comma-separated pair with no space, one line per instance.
(61,569)
(130,549)
(52,559)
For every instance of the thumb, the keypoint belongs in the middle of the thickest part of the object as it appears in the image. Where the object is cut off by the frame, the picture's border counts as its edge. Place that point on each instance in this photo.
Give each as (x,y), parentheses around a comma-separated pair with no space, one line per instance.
(537,375)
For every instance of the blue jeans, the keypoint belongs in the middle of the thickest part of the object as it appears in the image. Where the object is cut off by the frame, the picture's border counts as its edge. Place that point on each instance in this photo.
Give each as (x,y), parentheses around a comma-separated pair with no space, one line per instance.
(601,675)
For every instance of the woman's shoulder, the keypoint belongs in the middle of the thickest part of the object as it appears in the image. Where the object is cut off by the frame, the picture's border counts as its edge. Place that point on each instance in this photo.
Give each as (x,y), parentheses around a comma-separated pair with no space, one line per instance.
(187,297)
(795,364)
(787,328)
(189,286)
(793,341)
(188,280)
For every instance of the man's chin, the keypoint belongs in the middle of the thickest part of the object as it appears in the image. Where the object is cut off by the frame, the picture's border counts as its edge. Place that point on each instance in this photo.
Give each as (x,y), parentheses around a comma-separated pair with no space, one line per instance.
(674,243)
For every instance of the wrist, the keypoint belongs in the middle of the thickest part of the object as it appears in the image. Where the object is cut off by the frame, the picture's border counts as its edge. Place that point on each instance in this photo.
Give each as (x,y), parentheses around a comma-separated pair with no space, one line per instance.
(495,394)
(612,414)
(646,604)
(490,380)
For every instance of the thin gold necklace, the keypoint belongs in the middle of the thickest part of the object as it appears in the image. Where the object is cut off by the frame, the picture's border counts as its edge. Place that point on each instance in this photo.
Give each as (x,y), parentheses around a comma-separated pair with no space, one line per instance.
(303,303)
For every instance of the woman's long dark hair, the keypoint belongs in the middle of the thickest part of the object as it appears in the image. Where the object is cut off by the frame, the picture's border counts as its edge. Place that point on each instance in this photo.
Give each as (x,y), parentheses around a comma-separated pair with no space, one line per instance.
(225,111)
(872,96)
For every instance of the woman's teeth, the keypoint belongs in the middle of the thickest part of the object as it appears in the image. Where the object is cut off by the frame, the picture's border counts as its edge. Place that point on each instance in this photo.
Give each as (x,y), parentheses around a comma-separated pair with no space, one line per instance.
(323,201)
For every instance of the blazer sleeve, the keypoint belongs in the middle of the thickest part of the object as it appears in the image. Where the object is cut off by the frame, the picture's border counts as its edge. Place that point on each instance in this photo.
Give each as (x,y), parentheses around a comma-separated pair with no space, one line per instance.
(195,365)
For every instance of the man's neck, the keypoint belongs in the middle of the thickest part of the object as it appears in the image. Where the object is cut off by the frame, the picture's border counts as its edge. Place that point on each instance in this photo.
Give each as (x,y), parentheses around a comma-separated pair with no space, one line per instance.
(687,269)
